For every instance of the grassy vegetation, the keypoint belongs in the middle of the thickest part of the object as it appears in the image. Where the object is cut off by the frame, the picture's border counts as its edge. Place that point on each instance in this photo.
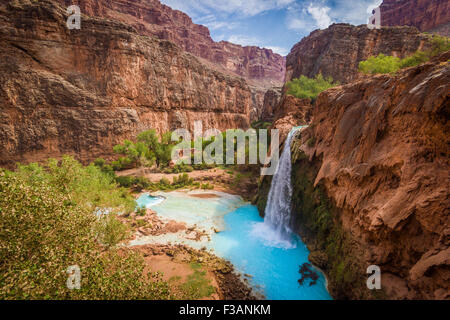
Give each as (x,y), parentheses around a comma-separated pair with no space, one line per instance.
(388,64)
(141,183)
(305,87)
(197,285)
(48,223)
(149,151)
(145,152)
(261,124)
(380,64)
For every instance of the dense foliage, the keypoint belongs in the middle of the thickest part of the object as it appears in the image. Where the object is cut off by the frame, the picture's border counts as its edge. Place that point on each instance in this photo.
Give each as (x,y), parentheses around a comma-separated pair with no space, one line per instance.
(379,64)
(305,87)
(48,223)
(149,151)
(145,152)
(389,64)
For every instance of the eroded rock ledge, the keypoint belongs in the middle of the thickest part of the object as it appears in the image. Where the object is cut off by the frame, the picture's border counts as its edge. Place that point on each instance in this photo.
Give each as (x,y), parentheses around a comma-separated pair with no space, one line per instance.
(378,154)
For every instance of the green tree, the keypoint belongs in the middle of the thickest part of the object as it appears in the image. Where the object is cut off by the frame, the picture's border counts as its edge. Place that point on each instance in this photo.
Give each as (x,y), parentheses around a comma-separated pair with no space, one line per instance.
(389,64)
(380,64)
(305,87)
(48,223)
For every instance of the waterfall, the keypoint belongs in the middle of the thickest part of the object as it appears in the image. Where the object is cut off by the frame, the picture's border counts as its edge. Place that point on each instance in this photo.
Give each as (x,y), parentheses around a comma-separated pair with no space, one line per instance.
(275,228)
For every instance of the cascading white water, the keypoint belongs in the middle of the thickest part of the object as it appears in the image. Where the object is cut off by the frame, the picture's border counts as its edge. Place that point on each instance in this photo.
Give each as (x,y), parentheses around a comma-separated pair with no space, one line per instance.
(278,209)
(275,228)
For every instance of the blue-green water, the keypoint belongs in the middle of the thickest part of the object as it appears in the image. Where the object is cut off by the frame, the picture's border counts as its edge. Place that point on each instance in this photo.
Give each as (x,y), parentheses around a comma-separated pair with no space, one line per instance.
(244,240)
(273,268)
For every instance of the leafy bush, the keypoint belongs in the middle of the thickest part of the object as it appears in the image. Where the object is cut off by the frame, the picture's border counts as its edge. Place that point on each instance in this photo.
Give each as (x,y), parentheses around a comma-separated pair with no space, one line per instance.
(182,180)
(48,224)
(197,285)
(414,60)
(380,64)
(110,231)
(389,64)
(305,87)
(207,186)
(440,44)
(179,168)
(141,211)
(164,182)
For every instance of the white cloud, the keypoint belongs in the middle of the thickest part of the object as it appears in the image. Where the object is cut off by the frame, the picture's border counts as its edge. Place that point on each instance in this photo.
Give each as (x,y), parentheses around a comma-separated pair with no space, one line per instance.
(281,51)
(239,7)
(354,12)
(320,15)
(244,40)
(255,41)
(296,24)
(213,24)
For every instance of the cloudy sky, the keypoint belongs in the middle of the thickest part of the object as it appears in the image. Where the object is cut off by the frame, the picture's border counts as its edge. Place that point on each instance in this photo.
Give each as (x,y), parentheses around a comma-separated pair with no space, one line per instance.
(274,24)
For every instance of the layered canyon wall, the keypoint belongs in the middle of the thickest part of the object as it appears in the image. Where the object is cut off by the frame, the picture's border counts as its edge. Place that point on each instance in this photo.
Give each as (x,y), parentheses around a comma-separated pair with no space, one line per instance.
(425,15)
(260,66)
(337,50)
(82,91)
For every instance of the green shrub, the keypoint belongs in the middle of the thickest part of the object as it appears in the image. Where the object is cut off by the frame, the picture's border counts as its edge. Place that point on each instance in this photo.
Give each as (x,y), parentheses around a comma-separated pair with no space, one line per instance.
(380,64)
(207,186)
(414,60)
(305,87)
(141,211)
(389,64)
(164,182)
(440,44)
(110,231)
(48,224)
(99,162)
(182,181)
(197,285)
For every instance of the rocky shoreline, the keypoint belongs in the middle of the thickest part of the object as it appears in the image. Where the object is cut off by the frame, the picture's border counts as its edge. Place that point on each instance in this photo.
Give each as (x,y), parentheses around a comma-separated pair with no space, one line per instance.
(231,285)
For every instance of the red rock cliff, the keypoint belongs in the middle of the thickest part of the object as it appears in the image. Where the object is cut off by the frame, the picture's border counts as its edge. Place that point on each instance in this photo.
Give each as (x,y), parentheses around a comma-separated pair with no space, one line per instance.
(150,17)
(82,91)
(337,50)
(381,149)
(425,15)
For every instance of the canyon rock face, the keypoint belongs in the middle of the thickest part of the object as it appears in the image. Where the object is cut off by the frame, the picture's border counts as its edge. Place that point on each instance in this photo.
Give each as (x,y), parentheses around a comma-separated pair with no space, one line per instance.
(82,91)
(380,151)
(271,100)
(149,17)
(425,15)
(291,112)
(337,50)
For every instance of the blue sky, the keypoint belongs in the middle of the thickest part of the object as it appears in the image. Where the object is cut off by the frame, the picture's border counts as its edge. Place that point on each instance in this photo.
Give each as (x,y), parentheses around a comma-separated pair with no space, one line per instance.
(274,24)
